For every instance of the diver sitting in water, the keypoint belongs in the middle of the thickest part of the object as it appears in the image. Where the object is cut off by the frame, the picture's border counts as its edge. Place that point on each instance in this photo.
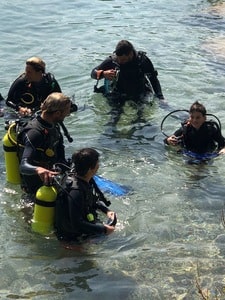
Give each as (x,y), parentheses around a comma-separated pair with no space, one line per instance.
(197,134)
(76,210)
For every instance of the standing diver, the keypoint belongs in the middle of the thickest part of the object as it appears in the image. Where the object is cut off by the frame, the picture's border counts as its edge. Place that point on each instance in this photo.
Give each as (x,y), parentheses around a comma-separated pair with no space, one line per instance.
(41,143)
(131,76)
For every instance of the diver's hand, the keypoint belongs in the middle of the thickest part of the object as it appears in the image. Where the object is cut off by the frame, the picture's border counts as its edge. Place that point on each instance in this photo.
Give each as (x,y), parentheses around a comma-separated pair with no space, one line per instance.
(111,214)
(46,175)
(24,111)
(109,74)
(112,218)
(109,229)
(222,151)
(172,140)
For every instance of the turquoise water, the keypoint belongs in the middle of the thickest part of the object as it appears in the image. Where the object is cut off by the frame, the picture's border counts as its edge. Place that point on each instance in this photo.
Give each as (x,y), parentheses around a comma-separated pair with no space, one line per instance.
(169,235)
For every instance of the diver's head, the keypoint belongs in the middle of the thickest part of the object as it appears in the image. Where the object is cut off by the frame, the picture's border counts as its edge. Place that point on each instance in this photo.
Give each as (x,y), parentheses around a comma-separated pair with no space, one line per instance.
(86,161)
(124,52)
(35,67)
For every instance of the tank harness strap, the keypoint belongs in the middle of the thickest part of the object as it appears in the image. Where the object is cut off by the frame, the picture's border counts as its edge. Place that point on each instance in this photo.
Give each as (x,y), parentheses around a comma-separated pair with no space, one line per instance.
(99,193)
(9,149)
(44,203)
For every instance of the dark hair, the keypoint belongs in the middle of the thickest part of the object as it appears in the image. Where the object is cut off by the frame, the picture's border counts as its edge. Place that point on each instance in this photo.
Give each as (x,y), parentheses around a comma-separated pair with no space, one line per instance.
(197,107)
(124,47)
(84,160)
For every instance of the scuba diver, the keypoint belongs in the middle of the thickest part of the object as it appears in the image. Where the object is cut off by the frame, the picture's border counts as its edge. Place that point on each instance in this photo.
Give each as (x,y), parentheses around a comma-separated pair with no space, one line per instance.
(76,206)
(31,88)
(197,134)
(41,145)
(128,75)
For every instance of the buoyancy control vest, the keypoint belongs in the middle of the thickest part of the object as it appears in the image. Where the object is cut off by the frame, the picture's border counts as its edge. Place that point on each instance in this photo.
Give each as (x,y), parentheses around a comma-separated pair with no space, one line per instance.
(50,150)
(47,152)
(130,80)
(198,144)
(89,196)
(31,94)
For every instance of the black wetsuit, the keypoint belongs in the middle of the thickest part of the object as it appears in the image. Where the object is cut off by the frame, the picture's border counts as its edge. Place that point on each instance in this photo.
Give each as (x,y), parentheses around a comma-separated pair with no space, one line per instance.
(31,94)
(206,139)
(75,212)
(42,146)
(131,82)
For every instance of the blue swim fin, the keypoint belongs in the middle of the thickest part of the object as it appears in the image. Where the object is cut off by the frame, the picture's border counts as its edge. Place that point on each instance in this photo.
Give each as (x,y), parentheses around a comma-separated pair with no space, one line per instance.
(107,186)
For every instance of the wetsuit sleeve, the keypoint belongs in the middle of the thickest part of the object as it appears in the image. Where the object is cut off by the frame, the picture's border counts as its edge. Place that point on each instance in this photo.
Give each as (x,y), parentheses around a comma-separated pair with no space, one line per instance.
(152,74)
(26,168)
(77,218)
(14,94)
(101,206)
(107,64)
(177,133)
(32,140)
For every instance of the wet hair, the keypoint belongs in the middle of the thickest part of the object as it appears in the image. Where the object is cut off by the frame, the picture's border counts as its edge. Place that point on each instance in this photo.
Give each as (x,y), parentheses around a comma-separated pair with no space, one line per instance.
(84,160)
(124,47)
(197,107)
(55,102)
(37,63)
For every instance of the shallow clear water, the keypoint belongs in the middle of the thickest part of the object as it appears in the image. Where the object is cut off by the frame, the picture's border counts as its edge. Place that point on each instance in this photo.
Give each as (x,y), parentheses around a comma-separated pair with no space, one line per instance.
(170,234)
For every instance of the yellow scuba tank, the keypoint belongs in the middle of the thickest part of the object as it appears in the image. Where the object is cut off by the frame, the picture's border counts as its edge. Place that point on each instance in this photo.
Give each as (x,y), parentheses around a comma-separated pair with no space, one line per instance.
(10,154)
(44,209)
